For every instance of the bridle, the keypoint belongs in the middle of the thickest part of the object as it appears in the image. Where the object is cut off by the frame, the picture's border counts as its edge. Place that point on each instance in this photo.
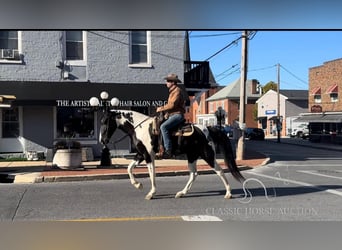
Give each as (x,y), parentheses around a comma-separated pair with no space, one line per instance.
(126,135)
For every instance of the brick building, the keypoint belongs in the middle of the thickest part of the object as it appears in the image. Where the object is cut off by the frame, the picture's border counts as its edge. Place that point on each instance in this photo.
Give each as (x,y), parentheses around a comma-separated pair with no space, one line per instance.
(325,105)
(229,99)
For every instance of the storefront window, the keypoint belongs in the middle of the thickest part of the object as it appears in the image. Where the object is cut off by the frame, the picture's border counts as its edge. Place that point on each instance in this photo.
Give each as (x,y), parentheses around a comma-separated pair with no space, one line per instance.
(75,122)
(10,123)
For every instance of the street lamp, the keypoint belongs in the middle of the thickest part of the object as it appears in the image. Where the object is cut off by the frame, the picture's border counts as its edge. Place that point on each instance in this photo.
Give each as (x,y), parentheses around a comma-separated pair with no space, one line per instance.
(103,105)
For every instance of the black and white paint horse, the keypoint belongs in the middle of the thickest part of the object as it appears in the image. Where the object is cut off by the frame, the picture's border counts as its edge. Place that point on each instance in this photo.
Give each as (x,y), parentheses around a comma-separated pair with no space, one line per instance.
(201,143)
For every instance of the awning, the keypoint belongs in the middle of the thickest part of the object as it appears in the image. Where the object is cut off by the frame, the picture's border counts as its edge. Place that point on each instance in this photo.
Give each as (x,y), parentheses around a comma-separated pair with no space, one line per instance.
(332,118)
(6,100)
(332,89)
(275,118)
(48,93)
(320,118)
(309,118)
(316,91)
(260,118)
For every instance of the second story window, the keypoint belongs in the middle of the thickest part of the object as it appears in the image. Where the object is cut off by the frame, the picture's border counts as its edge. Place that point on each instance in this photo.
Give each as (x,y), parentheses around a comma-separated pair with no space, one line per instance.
(333,92)
(317,98)
(75,46)
(9,45)
(334,97)
(140,47)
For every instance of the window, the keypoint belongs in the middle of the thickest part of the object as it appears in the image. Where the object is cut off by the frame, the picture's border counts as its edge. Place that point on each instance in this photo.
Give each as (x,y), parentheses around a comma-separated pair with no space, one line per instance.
(75,122)
(334,97)
(10,123)
(9,45)
(140,47)
(75,48)
(317,98)
(211,107)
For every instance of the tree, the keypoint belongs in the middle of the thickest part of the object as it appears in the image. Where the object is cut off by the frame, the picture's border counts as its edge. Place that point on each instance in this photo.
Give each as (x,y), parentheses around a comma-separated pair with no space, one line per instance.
(270,85)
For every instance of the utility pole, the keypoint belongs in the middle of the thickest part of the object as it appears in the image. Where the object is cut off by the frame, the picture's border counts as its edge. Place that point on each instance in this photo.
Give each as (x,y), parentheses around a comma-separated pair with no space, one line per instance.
(242,114)
(278,105)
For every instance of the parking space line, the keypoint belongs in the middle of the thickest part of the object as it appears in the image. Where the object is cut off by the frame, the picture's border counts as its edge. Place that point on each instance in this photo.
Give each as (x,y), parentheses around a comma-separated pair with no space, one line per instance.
(312,172)
(300,183)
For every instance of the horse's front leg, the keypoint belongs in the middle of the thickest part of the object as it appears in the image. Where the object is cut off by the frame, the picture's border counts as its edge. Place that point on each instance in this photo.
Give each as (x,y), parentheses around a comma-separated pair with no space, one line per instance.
(151,171)
(134,182)
(193,174)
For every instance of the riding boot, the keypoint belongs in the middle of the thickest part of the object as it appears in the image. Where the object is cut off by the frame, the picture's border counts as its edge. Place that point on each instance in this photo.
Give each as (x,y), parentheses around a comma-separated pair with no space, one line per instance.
(167,154)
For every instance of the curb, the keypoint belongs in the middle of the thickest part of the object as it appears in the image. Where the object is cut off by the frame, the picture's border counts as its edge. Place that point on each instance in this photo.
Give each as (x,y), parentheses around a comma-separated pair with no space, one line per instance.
(119,176)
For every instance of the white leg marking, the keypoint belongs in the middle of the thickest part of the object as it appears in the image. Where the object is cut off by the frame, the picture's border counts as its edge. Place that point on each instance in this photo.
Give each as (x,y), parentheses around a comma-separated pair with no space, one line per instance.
(193,174)
(134,182)
(223,177)
(151,171)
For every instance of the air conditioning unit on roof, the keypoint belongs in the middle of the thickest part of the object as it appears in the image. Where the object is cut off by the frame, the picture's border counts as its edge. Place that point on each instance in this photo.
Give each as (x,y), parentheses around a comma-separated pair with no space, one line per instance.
(7,53)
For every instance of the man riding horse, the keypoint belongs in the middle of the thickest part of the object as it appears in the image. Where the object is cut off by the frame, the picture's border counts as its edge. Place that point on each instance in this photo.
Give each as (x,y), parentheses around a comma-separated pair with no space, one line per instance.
(174,112)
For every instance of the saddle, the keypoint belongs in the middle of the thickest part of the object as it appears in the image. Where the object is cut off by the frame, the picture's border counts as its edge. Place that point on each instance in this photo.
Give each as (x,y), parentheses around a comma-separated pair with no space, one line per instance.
(183,129)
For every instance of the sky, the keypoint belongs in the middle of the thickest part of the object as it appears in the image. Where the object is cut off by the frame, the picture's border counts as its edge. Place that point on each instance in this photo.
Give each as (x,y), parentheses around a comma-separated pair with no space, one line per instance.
(295,51)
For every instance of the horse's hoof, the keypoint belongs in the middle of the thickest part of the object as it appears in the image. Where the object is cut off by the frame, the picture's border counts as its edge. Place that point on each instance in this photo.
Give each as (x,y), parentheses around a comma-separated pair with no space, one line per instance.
(138,186)
(148,196)
(179,195)
(228,196)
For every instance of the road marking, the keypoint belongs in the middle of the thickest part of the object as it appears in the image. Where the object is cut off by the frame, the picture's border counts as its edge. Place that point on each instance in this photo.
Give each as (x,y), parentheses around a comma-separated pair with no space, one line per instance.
(300,183)
(200,218)
(151,218)
(318,174)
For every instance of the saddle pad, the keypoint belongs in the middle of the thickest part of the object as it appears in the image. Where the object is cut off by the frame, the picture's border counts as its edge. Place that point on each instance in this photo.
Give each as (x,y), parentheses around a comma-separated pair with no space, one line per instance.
(186,130)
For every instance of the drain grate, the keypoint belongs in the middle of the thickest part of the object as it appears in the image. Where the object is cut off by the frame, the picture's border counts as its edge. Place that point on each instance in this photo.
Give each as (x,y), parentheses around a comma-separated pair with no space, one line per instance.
(6,178)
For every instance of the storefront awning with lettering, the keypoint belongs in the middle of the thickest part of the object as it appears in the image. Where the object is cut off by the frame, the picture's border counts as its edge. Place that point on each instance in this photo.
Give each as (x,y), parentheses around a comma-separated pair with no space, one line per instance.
(48,93)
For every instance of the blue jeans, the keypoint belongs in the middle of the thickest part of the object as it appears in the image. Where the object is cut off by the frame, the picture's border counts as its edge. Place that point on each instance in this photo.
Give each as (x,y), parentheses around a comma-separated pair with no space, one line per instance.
(170,123)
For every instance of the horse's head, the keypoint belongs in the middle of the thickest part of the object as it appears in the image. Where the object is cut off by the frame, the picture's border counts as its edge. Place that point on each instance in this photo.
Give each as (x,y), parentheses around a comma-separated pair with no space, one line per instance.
(113,120)
(108,126)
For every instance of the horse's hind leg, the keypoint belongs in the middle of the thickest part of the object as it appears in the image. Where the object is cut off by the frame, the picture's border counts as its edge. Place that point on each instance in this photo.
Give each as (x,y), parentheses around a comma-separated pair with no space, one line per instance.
(211,160)
(193,174)
(130,167)
(219,171)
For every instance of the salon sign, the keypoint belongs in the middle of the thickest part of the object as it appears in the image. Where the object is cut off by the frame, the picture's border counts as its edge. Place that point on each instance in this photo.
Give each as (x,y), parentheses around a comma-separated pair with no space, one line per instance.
(123,103)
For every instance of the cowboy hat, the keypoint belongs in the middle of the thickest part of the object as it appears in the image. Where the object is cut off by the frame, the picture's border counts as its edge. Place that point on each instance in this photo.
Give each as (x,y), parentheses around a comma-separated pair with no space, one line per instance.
(172,77)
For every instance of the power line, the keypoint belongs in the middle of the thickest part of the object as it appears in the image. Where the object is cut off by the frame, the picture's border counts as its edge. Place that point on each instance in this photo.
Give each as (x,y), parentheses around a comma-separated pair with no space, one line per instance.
(294,75)
(212,35)
(225,47)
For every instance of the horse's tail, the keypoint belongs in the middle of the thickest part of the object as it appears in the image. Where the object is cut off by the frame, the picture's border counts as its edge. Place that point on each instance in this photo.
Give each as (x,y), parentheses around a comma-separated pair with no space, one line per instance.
(222,141)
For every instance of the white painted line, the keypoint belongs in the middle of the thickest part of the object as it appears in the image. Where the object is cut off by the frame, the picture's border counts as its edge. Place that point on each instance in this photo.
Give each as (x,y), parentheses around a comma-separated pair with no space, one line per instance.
(200,218)
(300,183)
(318,174)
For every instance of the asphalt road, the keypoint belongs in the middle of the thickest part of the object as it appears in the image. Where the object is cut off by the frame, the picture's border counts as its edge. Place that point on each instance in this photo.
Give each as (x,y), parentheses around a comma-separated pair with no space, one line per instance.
(300,184)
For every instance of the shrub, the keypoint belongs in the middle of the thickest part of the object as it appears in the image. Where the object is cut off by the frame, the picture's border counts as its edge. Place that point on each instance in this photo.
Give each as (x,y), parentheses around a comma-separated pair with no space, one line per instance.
(67,144)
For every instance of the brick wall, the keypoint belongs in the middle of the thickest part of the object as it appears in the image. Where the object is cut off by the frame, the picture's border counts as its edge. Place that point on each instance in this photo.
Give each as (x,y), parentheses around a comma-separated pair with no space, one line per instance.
(326,75)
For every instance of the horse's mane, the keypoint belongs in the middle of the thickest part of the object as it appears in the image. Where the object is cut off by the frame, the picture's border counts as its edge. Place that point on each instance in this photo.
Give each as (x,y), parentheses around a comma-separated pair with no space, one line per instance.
(137,116)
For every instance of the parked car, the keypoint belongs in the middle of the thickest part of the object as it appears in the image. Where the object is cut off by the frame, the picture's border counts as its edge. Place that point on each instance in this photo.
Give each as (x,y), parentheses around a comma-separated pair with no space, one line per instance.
(300,132)
(254,134)
(227,129)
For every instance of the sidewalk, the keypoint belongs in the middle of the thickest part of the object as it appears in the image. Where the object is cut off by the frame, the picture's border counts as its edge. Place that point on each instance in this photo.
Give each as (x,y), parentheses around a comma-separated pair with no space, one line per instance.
(42,171)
